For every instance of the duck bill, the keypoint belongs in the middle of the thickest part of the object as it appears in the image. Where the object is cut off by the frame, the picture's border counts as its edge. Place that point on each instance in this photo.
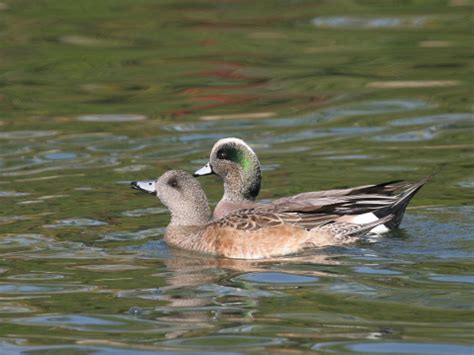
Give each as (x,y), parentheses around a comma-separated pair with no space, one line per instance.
(147,186)
(205,170)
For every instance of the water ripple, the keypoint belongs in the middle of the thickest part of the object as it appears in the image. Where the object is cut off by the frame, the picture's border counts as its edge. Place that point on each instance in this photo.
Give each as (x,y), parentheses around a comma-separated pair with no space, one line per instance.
(57,155)
(443,119)
(146,294)
(43,288)
(467,183)
(22,240)
(85,139)
(131,168)
(360,22)
(11,219)
(142,234)
(381,106)
(375,271)
(453,278)
(13,149)
(75,222)
(392,347)
(144,212)
(277,278)
(218,342)
(85,348)
(72,320)
(320,133)
(13,194)
(411,136)
(26,134)
(128,145)
(109,267)
(9,307)
(37,277)
(346,110)
(112,118)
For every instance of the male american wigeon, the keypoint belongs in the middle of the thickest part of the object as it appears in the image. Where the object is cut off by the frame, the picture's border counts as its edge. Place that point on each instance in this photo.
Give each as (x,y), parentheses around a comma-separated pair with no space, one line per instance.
(237,164)
(252,233)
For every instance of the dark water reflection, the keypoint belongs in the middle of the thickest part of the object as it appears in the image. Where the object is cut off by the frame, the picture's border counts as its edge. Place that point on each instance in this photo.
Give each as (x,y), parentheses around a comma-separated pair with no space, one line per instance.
(93,95)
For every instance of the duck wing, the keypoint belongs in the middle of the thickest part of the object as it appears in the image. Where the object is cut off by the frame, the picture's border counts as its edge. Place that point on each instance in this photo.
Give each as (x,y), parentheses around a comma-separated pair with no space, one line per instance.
(357,200)
(254,219)
(318,197)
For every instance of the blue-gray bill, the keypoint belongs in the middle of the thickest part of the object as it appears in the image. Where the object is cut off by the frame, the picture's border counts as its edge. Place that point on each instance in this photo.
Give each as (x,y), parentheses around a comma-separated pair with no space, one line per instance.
(205,170)
(145,186)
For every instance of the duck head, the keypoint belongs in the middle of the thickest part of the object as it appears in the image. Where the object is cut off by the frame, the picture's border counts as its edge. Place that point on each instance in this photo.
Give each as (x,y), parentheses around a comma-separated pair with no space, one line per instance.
(181,194)
(237,164)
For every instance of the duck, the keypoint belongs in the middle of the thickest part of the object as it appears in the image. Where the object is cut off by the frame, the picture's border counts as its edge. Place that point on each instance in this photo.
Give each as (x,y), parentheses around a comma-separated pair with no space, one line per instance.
(236,163)
(249,233)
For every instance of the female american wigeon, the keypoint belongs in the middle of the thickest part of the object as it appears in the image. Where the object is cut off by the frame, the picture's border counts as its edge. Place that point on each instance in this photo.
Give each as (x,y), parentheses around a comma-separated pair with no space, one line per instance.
(237,164)
(248,233)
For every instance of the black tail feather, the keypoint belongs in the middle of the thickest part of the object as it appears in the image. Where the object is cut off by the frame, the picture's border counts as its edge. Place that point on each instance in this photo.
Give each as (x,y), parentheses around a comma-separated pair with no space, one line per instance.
(398,208)
(385,188)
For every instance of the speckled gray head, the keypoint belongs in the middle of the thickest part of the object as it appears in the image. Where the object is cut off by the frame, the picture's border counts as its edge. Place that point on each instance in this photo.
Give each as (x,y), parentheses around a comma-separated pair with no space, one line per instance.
(237,164)
(181,194)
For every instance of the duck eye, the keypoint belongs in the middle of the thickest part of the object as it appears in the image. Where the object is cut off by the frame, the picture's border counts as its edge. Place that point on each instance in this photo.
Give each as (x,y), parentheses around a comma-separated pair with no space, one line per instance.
(222,154)
(173,182)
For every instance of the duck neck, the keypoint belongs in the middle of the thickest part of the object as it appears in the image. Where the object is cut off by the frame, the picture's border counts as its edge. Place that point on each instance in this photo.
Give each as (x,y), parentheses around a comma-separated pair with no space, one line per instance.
(194,216)
(244,184)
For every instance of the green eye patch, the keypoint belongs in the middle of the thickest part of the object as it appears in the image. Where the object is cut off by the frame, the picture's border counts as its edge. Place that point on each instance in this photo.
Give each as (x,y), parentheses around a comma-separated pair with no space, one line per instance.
(235,155)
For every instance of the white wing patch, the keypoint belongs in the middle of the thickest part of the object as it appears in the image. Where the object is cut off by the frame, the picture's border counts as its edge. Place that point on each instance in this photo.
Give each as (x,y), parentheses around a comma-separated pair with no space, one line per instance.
(369,218)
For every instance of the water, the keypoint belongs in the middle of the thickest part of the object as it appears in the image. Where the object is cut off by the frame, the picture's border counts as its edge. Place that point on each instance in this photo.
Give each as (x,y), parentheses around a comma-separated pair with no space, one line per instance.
(330,94)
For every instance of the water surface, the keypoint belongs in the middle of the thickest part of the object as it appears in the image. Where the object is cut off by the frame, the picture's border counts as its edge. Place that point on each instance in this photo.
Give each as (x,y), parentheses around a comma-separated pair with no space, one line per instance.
(94,94)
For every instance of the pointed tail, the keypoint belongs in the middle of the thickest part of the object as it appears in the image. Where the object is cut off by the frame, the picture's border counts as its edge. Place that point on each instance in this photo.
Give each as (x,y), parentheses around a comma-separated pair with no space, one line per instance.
(397,209)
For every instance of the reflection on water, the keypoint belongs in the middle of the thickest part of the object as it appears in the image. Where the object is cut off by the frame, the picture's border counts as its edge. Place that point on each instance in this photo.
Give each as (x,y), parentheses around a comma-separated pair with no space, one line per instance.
(23,135)
(381,22)
(111,118)
(93,99)
(441,119)
(75,222)
(395,347)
